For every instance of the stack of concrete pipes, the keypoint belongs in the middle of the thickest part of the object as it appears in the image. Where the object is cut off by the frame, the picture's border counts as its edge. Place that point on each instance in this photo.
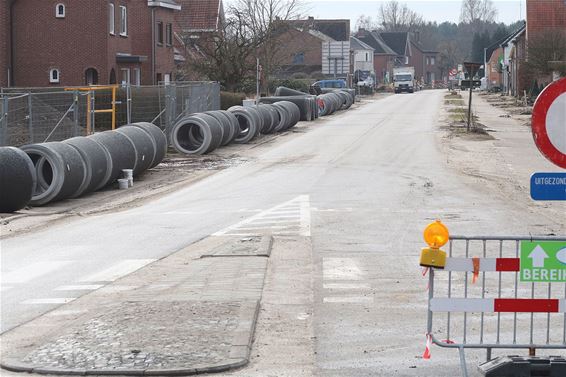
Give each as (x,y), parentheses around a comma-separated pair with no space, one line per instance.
(312,106)
(38,174)
(202,133)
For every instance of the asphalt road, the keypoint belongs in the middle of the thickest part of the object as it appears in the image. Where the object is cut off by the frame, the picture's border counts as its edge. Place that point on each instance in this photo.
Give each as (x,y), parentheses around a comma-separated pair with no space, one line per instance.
(362,184)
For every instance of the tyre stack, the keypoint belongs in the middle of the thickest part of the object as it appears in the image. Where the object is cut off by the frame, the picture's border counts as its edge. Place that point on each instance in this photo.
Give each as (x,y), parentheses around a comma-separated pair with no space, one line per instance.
(202,133)
(42,173)
(333,101)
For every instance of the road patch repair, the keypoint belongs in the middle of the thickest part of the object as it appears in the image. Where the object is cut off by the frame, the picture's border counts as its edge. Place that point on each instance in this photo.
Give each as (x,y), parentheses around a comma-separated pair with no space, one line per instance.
(187,313)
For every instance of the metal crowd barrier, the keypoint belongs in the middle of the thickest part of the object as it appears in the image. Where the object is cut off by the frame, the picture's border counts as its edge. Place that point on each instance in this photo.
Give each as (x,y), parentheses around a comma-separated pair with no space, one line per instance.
(498,311)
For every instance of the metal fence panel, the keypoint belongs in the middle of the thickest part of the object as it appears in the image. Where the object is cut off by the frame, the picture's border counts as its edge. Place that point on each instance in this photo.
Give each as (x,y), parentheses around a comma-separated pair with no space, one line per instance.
(491,329)
(36,115)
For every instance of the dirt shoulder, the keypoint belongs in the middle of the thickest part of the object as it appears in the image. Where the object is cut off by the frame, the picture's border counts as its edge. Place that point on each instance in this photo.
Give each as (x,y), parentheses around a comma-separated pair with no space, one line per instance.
(175,172)
(500,157)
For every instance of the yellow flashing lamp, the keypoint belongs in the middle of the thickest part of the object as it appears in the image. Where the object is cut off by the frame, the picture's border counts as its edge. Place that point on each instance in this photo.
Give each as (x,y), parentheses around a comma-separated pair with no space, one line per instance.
(435,235)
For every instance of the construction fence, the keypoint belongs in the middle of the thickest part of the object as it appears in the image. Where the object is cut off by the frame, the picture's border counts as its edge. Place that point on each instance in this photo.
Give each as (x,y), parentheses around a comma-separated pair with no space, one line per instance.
(37,115)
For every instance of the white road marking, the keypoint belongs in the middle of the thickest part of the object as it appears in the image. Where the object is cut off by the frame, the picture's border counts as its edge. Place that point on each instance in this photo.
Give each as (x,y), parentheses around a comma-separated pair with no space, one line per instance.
(344,274)
(33,271)
(346,286)
(341,269)
(86,287)
(56,313)
(117,271)
(288,218)
(49,301)
(348,300)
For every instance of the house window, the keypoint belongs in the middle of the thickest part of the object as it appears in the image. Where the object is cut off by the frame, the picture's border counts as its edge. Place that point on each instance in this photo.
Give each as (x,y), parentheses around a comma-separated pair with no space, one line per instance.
(91,76)
(432,60)
(123,21)
(54,76)
(137,76)
(60,10)
(169,35)
(160,33)
(367,57)
(299,58)
(111,19)
(125,76)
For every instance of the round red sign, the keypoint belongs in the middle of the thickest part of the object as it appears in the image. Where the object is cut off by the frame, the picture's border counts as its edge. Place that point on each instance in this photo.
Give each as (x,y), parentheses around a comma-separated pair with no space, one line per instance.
(549,122)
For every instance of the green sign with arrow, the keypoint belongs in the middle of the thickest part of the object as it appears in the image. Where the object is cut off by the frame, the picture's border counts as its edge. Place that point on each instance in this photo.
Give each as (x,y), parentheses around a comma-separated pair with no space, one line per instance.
(543,261)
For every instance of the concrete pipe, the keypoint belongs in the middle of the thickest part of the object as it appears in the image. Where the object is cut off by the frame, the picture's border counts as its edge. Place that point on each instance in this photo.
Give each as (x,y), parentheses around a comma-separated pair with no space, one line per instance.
(248,124)
(234,124)
(225,123)
(274,116)
(283,91)
(144,144)
(269,118)
(60,170)
(121,149)
(97,160)
(18,178)
(293,110)
(158,137)
(196,134)
(283,116)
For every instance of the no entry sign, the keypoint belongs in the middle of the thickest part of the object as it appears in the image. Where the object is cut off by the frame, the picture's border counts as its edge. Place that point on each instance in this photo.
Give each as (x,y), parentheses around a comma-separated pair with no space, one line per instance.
(549,122)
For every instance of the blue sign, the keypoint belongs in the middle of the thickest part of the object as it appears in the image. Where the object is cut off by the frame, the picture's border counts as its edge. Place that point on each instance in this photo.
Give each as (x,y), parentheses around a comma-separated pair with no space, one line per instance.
(548,186)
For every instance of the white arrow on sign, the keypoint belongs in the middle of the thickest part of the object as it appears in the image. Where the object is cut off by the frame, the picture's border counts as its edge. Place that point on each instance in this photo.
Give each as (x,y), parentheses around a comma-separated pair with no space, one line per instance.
(538,255)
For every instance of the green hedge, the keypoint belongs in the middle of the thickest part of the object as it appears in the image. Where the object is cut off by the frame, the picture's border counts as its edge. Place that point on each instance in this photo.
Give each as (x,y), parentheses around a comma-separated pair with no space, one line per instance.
(228,99)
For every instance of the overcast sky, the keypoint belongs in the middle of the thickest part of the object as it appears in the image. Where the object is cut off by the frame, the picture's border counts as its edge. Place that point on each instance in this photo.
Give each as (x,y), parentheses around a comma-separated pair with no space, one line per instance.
(509,11)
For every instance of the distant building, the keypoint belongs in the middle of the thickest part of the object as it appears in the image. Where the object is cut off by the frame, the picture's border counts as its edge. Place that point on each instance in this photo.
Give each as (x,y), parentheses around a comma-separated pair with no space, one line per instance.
(401,49)
(300,44)
(544,16)
(73,43)
(362,62)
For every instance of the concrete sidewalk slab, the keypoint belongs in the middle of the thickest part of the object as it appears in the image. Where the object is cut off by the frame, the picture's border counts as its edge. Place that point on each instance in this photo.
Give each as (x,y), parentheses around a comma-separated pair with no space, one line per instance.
(181,315)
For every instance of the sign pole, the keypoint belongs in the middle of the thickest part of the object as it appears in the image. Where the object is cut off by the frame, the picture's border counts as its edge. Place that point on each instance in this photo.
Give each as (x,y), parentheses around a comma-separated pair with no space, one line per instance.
(469,107)
(257,79)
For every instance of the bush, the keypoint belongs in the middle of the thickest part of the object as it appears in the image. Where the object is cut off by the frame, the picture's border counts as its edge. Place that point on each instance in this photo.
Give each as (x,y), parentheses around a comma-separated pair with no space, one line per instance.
(228,99)
(302,85)
(299,76)
(317,76)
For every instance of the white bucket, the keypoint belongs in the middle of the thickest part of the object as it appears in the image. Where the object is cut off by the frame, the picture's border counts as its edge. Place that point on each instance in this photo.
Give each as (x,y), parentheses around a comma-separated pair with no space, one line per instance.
(123,183)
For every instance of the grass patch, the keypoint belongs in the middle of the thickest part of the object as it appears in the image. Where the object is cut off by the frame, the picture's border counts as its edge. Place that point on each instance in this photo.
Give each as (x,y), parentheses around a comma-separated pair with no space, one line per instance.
(457,102)
(458,110)
(453,96)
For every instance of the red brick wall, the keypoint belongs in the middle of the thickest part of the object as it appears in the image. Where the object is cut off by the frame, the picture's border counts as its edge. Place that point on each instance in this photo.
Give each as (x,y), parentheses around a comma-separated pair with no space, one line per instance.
(71,44)
(82,40)
(545,14)
(4,42)
(493,68)
(294,41)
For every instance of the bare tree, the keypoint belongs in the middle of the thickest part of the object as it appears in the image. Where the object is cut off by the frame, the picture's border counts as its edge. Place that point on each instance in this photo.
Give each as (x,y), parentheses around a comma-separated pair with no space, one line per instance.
(248,32)
(364,22)
(475,11)
(393,16)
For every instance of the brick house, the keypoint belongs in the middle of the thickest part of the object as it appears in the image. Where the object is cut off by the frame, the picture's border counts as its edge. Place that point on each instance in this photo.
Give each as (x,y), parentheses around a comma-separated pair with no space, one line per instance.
(401,49)
(425,61)
(383,55)
(301,42)
(83,42)
(543,16)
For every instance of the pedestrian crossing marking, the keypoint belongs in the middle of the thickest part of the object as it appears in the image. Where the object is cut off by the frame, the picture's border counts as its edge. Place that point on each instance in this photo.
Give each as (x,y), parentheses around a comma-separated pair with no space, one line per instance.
(289,218)
(32,271)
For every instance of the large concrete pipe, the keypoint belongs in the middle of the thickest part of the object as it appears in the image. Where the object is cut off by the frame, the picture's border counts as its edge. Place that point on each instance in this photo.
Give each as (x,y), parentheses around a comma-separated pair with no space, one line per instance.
(18,179)
(97,160)
(122,152)
(158,137)
(144,144)
(60,170)
(196,134)
(248,123)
